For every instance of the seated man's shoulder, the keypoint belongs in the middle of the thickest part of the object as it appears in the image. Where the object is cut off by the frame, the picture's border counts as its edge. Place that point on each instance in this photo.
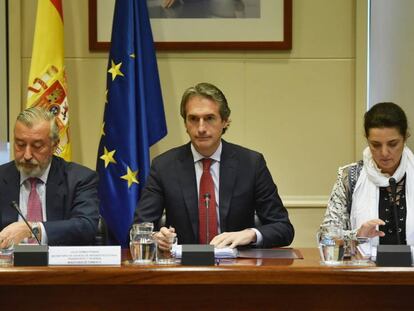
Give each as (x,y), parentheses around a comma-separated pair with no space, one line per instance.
(73,168)
(171,154)
(241,151)
(4,168)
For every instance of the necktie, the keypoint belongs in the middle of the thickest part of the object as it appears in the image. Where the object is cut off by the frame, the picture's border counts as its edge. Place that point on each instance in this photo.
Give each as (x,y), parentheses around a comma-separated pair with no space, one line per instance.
(207,219)
(34,205)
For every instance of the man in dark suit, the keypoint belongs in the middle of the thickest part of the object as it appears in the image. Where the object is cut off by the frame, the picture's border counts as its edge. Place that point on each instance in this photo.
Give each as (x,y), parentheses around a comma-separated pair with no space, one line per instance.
(58,198)
(239,185)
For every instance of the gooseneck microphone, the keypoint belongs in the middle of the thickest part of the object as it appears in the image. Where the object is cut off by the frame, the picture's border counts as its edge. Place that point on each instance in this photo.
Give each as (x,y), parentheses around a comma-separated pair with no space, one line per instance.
(207,205)
(393,185)
(17,208)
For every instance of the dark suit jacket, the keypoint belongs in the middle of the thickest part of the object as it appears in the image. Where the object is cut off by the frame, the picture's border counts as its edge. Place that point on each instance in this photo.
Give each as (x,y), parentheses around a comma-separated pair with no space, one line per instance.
(71,201)
(246,187)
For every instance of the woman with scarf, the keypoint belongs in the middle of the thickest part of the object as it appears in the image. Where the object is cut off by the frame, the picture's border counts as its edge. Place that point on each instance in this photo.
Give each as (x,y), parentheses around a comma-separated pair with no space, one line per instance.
(374,197)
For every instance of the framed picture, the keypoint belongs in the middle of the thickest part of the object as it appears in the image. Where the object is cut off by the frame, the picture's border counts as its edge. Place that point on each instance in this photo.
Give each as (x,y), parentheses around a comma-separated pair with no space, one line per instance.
(204,24)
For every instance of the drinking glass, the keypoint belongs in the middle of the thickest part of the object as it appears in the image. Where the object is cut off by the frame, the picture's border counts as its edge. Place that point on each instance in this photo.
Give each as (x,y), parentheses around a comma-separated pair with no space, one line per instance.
(165,255)
(330,240)
(361,251)
(7,255)
(142,243)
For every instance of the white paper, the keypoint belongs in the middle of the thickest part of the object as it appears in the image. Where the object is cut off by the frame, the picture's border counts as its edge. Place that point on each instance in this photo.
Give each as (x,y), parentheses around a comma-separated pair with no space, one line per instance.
(366,250)
(219,253)
(84,255)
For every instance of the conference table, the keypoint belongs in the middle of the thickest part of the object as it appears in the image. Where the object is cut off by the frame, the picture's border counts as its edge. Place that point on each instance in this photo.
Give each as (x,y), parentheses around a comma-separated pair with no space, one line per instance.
(233,284)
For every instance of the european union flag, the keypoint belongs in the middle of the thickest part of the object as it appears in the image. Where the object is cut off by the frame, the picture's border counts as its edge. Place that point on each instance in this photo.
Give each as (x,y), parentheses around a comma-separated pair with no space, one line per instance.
(133,119)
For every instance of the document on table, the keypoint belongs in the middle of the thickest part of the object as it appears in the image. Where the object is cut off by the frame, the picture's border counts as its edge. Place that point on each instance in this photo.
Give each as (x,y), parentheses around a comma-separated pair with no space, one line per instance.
(367,251)
(280,253)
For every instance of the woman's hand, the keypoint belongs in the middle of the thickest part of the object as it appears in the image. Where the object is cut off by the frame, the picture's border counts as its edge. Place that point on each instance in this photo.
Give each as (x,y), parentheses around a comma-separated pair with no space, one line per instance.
(168,3)
(369,229)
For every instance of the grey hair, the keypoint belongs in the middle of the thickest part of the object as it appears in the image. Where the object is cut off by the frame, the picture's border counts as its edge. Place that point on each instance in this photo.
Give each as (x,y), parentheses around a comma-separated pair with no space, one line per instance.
(210,91)
(33,115)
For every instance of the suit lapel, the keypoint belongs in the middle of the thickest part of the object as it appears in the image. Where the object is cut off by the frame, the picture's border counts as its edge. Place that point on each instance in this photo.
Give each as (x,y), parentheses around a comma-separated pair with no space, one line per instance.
(228,174)
(11,192)
(186,173)
(55,191)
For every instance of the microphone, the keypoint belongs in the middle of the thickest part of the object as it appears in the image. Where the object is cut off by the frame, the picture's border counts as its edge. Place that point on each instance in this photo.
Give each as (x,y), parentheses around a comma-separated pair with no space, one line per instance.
(17,208)
(207,205)
(393,185)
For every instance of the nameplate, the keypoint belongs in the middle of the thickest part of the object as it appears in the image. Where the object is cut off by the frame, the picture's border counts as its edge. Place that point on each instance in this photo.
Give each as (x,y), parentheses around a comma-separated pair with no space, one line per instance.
(84,255)
(197,255)
(394,256)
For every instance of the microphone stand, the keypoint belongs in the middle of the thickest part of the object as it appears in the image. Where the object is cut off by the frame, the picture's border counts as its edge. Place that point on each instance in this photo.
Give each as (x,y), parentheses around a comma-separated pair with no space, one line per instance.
(207,205)
(393,185)
(394,255)
(29,255)
(17,208)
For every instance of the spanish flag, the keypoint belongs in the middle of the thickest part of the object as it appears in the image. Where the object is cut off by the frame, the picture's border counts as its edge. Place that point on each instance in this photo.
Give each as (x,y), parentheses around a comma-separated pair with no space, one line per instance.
(47,79)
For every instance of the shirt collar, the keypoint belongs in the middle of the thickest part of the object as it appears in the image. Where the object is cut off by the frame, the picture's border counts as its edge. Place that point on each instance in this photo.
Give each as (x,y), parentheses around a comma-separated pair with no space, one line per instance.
(215,156)
(43,177)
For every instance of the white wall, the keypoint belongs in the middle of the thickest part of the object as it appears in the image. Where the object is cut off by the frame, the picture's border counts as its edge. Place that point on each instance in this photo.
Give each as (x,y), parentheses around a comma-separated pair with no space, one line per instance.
(392,54)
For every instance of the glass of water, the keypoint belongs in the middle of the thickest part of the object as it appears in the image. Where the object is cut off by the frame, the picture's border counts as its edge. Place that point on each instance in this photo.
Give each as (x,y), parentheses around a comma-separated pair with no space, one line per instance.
(361,251)
(330,240)
(7,255)
(142,244)
(165,255)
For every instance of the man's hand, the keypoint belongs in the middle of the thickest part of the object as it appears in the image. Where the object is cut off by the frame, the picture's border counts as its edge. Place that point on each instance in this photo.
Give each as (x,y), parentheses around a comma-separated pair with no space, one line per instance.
(369,229)
(15,232)
(165,238)
(234,239)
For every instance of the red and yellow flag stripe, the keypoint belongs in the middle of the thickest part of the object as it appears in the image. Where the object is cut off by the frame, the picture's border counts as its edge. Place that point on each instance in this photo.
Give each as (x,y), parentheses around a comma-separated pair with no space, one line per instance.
(47,80)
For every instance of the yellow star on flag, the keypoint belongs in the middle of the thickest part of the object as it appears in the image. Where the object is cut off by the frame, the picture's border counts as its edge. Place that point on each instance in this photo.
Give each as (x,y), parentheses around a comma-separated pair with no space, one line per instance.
(132,55)
(108,156)
(115,70)
(131,177)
